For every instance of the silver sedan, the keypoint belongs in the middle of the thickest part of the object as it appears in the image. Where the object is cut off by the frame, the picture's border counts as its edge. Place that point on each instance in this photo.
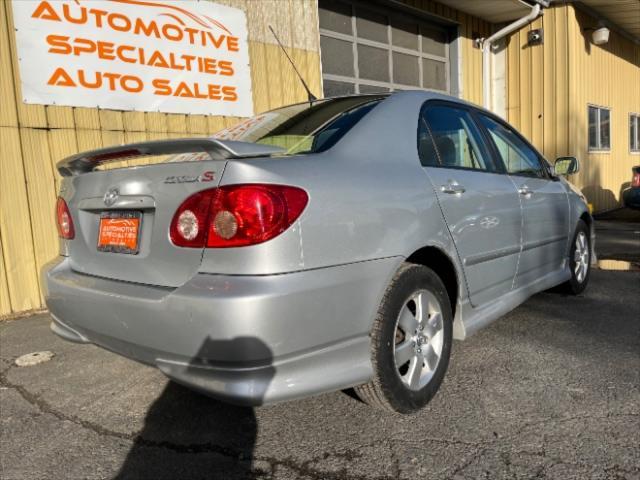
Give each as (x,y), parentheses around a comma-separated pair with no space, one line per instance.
(339,243)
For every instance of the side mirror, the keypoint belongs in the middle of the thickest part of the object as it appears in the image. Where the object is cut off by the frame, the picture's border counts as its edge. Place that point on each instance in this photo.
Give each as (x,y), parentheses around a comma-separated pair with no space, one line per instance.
(566,166)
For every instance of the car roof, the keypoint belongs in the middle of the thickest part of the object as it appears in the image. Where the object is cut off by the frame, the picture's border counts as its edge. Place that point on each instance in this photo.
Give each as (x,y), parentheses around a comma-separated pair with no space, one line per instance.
(421,95)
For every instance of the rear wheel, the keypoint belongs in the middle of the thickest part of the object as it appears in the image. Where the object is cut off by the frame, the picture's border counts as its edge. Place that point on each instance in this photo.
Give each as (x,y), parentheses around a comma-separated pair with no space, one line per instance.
(579,260)
(410,342)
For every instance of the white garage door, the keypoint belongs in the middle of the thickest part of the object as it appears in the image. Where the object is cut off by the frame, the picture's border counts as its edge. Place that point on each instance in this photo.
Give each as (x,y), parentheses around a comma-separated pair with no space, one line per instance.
(367,48)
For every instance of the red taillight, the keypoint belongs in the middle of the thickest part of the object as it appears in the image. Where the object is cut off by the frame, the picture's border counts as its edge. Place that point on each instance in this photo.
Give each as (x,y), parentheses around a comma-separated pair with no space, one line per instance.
(635,181)
(190,222)
(236,215)
(64,220)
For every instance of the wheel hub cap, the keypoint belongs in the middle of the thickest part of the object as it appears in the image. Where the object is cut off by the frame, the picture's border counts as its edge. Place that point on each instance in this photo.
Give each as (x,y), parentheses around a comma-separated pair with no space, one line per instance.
(419,339)
(581,257)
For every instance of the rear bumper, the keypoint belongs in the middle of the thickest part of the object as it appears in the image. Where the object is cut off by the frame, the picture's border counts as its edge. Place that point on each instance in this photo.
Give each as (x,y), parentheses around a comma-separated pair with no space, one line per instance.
(245,339)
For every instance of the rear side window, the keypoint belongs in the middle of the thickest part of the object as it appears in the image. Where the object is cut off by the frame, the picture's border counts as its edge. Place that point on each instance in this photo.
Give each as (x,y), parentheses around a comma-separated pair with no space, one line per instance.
(518,157)
(451,135)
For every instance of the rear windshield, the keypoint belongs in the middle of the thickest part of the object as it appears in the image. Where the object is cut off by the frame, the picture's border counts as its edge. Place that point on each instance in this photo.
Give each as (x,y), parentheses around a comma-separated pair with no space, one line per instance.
(305,127)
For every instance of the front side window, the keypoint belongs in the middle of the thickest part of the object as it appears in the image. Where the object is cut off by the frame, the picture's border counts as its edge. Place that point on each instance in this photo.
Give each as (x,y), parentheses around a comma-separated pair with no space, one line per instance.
(448,137)
(304,127)
(518,157)
(634,133)
(599,129)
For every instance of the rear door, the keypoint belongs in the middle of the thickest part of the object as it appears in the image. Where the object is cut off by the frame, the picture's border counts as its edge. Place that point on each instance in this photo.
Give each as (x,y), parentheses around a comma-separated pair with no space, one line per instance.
(545,203)
(479,202)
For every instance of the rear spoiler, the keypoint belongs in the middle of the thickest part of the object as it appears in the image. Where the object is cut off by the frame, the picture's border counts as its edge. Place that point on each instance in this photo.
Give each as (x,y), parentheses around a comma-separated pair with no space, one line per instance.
(217,149)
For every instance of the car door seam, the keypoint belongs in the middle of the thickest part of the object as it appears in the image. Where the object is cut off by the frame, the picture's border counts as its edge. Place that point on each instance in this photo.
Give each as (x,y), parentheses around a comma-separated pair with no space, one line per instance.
(515,275)
(444,219)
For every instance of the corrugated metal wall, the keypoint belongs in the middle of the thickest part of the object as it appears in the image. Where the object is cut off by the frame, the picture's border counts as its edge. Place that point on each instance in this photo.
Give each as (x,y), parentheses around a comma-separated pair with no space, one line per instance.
(35,137)
(548,89)
(607,75)
(550,86)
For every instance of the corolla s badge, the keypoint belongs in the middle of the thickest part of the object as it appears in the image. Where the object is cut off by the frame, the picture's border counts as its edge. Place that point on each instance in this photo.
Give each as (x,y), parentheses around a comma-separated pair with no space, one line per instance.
(111,196)
(207,176)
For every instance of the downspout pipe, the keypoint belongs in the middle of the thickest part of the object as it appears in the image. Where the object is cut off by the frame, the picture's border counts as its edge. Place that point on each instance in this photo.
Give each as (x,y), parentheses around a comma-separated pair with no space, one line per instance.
(486,51)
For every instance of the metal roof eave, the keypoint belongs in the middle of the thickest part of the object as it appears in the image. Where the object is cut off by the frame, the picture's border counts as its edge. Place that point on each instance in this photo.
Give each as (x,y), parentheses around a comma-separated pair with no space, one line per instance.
(492,11)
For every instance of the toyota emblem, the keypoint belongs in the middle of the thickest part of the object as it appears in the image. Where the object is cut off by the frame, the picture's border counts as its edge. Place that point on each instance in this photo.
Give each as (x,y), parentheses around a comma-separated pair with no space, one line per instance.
(111,196)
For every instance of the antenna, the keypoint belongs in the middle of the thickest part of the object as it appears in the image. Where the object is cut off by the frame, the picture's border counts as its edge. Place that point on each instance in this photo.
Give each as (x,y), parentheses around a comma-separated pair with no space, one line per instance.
(310,96)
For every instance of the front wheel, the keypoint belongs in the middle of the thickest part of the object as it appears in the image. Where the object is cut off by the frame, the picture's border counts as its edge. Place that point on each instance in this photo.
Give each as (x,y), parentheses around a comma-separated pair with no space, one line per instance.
(579,260)
(410,341)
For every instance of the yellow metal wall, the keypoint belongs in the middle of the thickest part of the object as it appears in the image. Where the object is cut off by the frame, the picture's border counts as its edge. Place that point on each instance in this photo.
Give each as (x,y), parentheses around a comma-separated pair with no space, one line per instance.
(549,87)
(34,137)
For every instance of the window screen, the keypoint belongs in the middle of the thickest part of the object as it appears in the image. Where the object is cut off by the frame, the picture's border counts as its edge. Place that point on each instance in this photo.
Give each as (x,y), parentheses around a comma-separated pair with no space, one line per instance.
(367,48)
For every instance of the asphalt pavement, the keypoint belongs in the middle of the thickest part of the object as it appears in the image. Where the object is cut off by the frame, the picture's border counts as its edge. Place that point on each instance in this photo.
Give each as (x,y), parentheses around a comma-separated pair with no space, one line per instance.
(618,236)
(551,390)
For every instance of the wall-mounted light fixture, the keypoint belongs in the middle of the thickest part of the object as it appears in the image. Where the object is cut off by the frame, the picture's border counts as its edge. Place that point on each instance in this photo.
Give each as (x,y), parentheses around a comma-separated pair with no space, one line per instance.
(600,36)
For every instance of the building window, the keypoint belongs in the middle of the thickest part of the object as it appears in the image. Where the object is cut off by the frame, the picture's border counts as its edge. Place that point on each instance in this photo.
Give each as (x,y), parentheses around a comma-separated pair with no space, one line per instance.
(599,129)
(634,132)
(369,48)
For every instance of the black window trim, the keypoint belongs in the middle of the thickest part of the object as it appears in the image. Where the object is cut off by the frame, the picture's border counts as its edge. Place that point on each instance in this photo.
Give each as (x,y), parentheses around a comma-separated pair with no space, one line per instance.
(485,147)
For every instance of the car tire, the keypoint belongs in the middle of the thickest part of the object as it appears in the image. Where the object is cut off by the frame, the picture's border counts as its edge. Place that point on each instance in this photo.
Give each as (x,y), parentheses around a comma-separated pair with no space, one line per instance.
(579,261)
(414,323)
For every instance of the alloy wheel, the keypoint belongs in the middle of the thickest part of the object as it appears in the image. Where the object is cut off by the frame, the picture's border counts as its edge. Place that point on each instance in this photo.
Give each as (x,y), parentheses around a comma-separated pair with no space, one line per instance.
(419,339)
(581,257)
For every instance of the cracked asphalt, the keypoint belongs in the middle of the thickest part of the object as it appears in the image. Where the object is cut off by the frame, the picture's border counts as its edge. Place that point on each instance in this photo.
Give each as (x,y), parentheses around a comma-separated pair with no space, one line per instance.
(551,390)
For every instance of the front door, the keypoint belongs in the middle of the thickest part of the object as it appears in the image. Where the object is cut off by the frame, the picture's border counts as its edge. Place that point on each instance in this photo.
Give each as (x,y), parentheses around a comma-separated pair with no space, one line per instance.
(545,204)
(480,204)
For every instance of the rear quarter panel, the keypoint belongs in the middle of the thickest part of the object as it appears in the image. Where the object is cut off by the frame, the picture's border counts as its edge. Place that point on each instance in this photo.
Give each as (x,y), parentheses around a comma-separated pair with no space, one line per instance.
(369,198)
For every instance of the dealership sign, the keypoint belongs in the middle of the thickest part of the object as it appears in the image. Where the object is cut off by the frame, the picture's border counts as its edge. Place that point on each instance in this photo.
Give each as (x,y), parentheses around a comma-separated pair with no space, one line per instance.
(153,56)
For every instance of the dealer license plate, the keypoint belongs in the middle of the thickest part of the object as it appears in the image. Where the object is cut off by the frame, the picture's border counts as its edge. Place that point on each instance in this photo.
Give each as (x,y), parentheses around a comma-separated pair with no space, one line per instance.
(119,232)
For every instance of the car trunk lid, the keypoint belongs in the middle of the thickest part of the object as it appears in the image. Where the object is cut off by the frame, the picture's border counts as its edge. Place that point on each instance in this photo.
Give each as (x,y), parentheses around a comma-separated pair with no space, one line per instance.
(122,200)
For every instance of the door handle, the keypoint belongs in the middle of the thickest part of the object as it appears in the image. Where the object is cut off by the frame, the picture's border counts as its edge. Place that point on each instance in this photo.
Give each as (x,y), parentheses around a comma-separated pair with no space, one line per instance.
(525,191)
(452,188)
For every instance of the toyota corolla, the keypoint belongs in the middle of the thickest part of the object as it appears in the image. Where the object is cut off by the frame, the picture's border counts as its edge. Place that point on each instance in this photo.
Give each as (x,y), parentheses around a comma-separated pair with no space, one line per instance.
(337,243)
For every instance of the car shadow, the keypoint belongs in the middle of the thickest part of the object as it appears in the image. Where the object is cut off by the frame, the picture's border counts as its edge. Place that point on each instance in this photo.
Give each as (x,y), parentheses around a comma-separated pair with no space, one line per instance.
(188,435)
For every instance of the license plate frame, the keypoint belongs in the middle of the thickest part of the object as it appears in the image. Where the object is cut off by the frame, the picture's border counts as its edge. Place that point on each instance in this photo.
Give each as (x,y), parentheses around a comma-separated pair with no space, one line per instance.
(129,242)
